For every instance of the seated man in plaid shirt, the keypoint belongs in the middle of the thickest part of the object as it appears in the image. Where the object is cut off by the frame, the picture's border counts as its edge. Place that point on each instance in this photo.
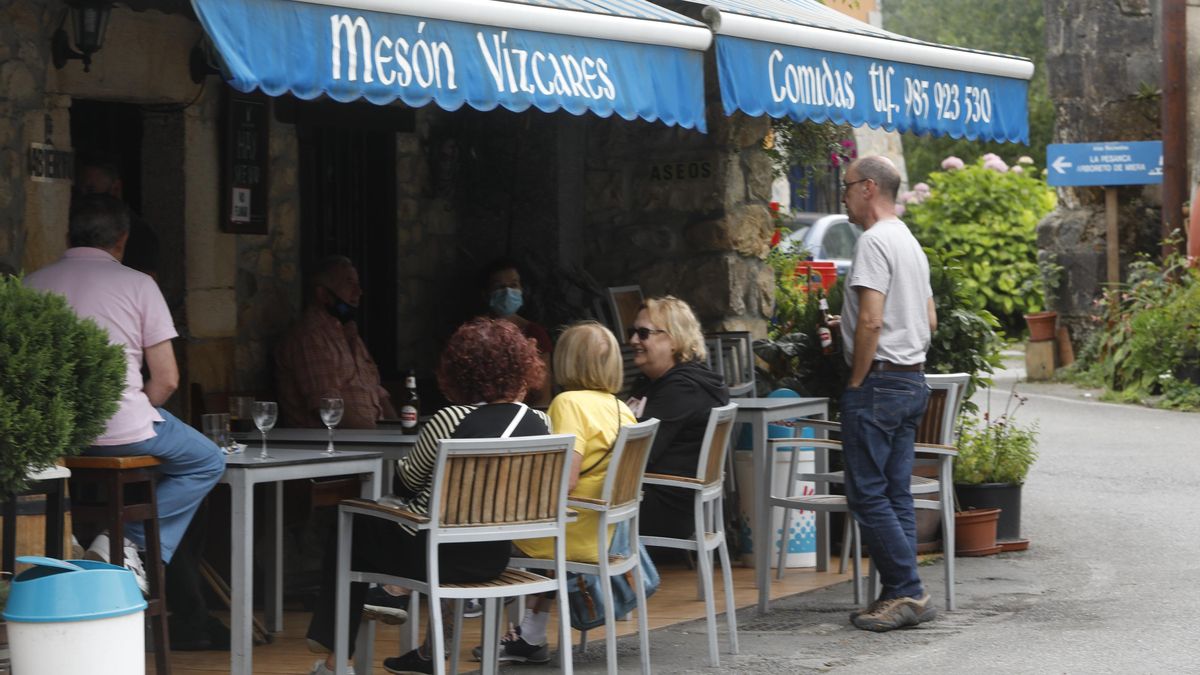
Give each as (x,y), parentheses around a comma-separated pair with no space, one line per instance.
(323,355)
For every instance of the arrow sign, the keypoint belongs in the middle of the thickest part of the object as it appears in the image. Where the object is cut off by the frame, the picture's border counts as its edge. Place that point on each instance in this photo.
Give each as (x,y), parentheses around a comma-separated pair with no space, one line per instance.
(1105,163)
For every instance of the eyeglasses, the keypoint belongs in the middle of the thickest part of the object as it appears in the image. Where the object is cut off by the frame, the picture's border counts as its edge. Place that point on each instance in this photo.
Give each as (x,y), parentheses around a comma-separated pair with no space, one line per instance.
(642,332)
(847,186)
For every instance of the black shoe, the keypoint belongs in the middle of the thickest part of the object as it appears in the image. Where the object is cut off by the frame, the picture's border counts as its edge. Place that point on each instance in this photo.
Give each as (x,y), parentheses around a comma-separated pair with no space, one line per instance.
(408,663)
(514,649)
(383,606)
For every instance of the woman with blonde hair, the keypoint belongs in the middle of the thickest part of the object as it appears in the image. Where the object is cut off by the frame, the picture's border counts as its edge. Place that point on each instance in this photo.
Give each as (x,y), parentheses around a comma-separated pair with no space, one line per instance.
(587,366)
(680,390)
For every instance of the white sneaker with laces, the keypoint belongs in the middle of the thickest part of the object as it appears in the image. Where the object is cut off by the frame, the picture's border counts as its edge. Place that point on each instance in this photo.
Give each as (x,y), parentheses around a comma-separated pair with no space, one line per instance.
(319,668)
(133,559)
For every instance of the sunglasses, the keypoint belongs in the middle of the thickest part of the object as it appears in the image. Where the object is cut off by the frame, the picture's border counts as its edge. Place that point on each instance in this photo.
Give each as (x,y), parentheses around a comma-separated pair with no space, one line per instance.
(643,333)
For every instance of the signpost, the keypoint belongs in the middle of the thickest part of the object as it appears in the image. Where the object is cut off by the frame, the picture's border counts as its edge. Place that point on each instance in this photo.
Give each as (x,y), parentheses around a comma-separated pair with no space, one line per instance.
(1107,164)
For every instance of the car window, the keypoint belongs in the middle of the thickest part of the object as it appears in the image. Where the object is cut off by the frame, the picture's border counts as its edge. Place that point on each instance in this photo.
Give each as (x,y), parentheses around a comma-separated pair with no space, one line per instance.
(839,240)
(795,238)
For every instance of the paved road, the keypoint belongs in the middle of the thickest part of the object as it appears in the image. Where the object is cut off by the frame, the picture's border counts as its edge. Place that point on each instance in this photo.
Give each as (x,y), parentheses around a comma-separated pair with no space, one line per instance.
(1111,583)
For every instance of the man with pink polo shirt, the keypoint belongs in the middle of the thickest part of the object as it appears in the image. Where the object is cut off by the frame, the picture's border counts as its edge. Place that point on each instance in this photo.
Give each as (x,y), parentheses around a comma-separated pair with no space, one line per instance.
(129,305)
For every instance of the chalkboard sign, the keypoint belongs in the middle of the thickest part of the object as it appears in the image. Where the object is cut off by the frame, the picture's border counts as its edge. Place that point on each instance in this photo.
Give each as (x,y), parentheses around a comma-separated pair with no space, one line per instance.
(245,162)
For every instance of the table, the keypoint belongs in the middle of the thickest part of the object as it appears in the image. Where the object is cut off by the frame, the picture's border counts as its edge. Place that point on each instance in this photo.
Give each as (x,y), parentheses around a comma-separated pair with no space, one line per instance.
(392,444)
(758,413)
(242,473)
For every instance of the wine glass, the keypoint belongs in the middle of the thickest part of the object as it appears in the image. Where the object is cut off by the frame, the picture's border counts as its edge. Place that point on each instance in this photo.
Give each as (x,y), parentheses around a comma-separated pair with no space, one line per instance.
(332,408)
(265,413)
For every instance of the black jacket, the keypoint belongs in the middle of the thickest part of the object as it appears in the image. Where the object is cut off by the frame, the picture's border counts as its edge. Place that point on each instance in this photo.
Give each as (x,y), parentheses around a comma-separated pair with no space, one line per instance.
(681,400)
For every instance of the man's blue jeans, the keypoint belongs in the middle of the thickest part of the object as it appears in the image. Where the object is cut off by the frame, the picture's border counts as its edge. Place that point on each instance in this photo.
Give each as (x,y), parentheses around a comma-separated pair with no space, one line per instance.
(191,466)
(879,424)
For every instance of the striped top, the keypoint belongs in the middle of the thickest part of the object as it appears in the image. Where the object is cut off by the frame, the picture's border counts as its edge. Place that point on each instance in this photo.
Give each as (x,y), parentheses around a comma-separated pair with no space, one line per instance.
(458,421)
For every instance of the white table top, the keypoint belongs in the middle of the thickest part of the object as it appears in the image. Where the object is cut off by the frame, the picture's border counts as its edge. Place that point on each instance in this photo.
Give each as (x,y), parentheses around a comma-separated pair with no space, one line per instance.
(357,437)
(288,456)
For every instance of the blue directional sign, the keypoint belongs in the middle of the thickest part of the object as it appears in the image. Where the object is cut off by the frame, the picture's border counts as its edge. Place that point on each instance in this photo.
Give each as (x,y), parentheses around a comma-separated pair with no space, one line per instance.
(1106,163)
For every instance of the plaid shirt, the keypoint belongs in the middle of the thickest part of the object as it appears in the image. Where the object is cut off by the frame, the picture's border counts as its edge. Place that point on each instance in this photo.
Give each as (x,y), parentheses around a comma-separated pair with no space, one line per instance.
(319,357)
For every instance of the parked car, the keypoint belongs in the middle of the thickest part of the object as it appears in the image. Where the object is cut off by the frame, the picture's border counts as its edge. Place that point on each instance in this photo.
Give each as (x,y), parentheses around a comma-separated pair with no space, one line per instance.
(826,236)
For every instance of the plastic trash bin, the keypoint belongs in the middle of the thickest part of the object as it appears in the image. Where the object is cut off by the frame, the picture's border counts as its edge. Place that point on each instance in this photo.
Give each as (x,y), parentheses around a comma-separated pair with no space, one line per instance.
(75,616)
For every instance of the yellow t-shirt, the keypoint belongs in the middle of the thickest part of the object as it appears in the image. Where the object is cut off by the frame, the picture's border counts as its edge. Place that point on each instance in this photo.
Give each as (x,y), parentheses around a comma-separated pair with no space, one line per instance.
(595,417)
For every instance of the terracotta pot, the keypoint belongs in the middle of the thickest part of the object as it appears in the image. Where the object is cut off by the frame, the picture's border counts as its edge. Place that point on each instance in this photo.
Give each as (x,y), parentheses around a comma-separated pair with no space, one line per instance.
(975,532)
(1041,325)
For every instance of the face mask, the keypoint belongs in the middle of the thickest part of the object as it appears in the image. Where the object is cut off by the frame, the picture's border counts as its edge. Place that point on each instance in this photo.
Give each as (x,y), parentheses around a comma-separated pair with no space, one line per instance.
(505,301)
(340,309)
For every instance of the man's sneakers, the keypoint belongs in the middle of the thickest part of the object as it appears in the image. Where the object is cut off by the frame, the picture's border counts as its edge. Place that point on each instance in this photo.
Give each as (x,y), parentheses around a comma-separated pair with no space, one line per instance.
(383,606)
(319,668)
(133,559)
(409,663)
(472,608)
(893,613)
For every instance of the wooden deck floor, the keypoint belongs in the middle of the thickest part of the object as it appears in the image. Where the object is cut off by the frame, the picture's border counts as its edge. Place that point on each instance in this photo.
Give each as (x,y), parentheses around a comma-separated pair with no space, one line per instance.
(675,602)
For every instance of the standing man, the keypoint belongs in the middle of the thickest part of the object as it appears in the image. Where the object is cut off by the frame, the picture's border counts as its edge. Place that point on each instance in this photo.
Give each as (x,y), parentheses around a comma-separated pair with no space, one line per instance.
(128,305)
(886,323)
(323,355)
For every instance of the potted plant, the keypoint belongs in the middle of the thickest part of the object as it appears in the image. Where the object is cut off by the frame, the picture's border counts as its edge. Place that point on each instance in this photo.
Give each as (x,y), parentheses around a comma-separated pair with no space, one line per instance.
(995,453)
(60,381)
(1042,325)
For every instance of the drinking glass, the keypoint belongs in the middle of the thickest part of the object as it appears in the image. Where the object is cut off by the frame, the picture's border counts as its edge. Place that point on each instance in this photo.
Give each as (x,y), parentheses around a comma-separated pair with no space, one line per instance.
(216,427)
(265,413)
(332,408)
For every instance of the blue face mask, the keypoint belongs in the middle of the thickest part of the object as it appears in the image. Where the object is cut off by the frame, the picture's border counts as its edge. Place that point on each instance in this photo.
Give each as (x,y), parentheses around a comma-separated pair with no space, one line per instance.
(505,301)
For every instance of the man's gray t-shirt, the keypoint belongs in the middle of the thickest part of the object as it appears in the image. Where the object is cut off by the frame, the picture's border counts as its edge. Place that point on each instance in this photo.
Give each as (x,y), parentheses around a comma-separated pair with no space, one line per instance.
(888,259)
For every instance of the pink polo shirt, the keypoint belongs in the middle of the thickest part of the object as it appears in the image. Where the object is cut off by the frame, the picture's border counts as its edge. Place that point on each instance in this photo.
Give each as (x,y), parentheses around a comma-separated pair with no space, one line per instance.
(127,304)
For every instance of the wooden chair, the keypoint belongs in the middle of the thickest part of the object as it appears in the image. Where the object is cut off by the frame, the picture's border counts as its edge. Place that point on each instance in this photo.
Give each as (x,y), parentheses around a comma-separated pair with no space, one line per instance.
(624,303)
(52,484)
(484,489)
(112,491)
(708,486)
(619,502)
(630,371)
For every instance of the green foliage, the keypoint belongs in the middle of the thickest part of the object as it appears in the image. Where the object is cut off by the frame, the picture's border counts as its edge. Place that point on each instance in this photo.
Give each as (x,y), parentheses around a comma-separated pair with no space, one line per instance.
(812,145)
(1008,26)
(1148,344)
(990,219)
(965,340)
(996,449)
(60,381)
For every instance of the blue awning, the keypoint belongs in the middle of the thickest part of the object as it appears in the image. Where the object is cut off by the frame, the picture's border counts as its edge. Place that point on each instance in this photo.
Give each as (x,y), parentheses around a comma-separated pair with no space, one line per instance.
(801,59)
(627,57)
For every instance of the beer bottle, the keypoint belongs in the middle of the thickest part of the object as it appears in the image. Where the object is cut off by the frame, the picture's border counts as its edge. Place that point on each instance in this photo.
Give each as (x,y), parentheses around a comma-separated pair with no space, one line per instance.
(410,404)
(824,333)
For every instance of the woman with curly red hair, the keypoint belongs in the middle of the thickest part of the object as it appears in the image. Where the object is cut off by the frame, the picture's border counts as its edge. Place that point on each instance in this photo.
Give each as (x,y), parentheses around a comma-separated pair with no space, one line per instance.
(485,371)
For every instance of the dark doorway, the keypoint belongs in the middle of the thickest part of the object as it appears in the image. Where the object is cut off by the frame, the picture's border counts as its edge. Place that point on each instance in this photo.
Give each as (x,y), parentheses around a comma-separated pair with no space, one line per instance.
(103,131)
(348,206)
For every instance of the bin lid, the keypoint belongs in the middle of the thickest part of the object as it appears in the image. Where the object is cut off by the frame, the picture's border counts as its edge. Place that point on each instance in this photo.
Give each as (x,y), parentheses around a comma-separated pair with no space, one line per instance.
(71,590)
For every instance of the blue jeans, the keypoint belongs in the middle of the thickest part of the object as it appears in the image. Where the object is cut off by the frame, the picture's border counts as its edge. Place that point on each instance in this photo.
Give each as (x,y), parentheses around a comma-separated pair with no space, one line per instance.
(191,466)
(879,424)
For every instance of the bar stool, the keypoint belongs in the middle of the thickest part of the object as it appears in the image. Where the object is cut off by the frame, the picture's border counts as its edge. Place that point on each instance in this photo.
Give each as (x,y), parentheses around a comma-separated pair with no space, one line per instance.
(99,496)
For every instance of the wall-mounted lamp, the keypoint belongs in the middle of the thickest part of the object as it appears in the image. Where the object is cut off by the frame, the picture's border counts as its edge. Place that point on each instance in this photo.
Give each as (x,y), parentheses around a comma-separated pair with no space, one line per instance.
(89,18)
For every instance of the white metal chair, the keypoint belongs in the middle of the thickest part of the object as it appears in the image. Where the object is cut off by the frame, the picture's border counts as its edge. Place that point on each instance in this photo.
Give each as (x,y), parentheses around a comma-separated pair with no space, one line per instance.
(619,502)
(484,489)
(709,487)
(734,360)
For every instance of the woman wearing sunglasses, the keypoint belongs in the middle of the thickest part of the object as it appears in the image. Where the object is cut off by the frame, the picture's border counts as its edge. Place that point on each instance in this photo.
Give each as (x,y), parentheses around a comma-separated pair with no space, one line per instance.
(679,389)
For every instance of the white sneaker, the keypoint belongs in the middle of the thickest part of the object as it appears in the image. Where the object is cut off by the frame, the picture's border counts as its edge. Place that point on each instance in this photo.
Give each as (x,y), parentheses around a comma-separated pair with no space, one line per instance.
(319,668)
(133,559)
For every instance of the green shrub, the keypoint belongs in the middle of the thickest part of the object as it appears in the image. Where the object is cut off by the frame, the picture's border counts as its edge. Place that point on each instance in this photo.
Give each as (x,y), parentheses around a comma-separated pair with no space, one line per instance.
(1148,342)
(965,340)
(60,381)
(989,218)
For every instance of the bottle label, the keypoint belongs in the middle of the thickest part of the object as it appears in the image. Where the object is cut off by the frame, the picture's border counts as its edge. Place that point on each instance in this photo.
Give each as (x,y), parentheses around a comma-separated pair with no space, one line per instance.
(408,416)
(826,338)
(410,382)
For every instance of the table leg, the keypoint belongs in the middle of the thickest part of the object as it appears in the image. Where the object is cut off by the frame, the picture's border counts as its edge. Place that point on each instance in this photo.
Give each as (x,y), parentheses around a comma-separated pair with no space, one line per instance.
(759,529)
(273,603)
(821,465)
(241,576)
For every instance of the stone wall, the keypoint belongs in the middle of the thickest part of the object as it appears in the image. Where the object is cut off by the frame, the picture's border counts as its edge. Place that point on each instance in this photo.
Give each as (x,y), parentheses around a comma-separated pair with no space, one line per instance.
(1103,63)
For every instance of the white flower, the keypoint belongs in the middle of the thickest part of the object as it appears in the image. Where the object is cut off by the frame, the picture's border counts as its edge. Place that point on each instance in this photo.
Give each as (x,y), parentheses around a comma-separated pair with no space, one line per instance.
(951,163)
(1025,159)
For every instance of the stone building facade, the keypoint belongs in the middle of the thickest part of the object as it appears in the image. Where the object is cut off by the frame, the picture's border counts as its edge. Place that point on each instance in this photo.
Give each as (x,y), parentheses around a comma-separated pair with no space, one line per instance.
(1104,63)
(584,202)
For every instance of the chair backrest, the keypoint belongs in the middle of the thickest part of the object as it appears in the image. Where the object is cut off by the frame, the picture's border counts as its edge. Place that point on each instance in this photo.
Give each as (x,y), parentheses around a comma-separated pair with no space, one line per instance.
(717,433)
(734,360)
(624,302)
(490,488)
(630,371)
(623,481)
(945,401)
